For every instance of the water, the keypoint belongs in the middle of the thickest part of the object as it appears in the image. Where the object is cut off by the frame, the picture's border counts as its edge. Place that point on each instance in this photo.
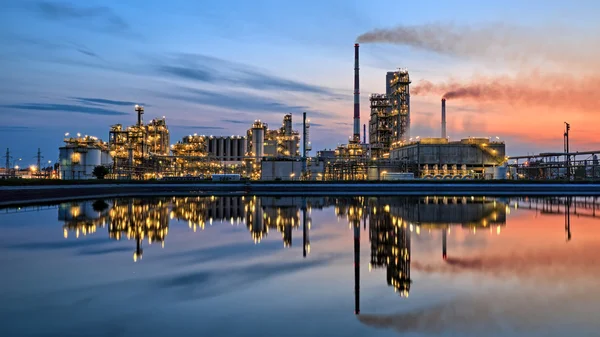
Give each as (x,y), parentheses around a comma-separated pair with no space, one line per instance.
(251,266)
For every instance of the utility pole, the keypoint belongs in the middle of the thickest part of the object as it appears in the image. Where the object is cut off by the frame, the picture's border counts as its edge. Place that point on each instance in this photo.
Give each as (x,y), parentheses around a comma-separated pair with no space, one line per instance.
(7,160)
(39,161)
(566,145)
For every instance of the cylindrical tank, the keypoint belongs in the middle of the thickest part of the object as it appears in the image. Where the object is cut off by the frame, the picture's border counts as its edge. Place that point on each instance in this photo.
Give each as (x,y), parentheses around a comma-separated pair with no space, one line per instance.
(93,158)
(221,152)
(287,125)
(258,140)
(234,148)
(227,152)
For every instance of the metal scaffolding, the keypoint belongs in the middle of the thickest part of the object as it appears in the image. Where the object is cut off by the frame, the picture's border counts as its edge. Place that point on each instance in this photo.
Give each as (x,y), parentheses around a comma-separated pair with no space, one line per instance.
(400,101)
(381,125)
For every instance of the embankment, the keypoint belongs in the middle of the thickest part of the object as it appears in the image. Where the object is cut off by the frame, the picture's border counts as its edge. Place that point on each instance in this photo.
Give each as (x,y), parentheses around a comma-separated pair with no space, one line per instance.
(20,195)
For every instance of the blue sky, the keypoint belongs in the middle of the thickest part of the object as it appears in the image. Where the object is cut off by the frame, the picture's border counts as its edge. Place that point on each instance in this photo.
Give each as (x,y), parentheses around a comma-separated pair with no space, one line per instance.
(213,67)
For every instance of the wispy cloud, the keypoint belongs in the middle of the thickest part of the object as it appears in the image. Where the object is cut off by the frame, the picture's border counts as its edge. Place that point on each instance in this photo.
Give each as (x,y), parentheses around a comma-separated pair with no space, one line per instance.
(235,121)
(65,108)
(95,17)
(14,128)
(196,127)
(105,101)
(234,101)
(52,45)
(203,68)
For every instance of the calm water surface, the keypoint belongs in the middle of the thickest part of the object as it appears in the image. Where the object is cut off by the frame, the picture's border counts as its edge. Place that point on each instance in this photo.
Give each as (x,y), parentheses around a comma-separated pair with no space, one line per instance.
(252,266)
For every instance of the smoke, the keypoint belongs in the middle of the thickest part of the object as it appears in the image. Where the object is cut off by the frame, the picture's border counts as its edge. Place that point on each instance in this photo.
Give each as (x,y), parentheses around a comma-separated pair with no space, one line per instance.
(516,45)
(554,91)
(556,67)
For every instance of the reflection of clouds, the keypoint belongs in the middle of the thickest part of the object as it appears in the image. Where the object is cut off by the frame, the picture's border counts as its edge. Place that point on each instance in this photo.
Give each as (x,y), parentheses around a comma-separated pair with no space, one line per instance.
(548,264)
(102,251)
(209,283)
(58,245)
(500,314)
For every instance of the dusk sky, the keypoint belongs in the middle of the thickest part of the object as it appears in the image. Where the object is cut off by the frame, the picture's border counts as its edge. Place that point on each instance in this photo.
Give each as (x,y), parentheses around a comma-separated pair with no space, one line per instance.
(522,68)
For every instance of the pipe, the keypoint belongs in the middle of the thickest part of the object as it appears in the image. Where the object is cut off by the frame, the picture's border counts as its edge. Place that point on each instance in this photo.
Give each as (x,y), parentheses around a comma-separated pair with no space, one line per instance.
(364,133)
(443,118)
(356,137)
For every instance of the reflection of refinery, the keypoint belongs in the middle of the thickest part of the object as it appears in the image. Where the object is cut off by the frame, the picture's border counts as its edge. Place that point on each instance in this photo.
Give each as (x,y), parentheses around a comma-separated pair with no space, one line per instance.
(392,220)
(148,219)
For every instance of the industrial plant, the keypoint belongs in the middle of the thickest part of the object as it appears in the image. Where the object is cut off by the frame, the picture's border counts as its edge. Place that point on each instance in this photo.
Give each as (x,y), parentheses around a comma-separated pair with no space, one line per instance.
(387,150)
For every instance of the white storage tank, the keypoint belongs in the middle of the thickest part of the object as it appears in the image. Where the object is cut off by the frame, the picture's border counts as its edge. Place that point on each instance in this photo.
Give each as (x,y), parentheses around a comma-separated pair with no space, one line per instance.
(258,139)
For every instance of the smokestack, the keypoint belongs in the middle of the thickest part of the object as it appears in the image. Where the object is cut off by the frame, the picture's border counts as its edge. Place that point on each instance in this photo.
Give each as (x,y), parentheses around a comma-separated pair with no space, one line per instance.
(356,97)
(443,118)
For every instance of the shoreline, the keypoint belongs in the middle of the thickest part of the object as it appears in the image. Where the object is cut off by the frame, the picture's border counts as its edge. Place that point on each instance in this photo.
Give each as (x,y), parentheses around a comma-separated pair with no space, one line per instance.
(26,195)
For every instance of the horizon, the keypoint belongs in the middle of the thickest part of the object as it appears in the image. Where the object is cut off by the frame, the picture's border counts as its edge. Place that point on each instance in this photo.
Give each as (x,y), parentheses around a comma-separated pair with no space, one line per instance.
(214,68)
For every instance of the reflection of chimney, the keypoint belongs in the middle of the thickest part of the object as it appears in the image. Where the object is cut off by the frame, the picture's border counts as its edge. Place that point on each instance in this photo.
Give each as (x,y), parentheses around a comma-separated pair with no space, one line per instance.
(356,137)
(443,118)
(444,239)
(357,269)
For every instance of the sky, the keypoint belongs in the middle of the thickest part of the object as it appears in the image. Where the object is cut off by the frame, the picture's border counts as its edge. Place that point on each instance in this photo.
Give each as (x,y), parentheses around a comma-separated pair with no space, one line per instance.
(214,67)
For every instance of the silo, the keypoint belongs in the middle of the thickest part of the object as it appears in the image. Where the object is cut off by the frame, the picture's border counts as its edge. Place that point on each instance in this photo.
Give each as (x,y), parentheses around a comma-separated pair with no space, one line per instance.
(258,140)
(287,125)
(93,158)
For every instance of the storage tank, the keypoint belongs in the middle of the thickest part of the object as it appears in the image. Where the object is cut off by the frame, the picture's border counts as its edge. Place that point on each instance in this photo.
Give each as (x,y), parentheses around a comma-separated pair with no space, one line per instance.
(258,139)
(93,158)
(287,124)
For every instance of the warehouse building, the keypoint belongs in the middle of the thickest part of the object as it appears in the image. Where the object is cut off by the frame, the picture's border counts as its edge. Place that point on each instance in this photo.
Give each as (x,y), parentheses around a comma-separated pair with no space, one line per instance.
(438,157)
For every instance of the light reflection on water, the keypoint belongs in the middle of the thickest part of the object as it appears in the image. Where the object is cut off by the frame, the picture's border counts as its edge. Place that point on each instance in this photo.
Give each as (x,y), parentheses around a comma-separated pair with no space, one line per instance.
(248,265)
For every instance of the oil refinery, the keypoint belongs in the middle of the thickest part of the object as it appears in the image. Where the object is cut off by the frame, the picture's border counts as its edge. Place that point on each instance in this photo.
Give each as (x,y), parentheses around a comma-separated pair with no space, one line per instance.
(387,150)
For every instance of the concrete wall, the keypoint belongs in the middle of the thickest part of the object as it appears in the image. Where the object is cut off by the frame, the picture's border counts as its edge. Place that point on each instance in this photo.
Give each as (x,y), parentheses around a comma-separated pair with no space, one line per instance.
(283,169)
(271,170)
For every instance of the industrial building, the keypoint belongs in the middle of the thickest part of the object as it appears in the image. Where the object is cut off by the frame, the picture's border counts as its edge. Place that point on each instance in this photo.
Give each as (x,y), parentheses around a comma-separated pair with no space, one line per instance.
(138,150)
(80,155)
(440,158)
(143,151)
(282,142)
(292,169)
(392,151)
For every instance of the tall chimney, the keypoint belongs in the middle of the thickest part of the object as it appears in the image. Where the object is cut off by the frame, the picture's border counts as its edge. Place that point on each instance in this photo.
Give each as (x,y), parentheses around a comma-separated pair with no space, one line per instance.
(443,118)
(356,137)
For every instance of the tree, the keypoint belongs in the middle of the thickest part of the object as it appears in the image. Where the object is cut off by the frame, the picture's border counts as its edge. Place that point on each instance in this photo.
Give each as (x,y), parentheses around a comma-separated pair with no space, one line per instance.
(100,171)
